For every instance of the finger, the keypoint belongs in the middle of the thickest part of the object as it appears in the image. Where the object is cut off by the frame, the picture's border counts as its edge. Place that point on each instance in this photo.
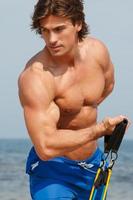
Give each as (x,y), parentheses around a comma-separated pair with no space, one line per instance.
(116,120)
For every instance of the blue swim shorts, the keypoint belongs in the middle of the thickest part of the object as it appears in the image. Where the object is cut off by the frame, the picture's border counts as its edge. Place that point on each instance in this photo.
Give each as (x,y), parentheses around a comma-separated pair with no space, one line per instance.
(61,178)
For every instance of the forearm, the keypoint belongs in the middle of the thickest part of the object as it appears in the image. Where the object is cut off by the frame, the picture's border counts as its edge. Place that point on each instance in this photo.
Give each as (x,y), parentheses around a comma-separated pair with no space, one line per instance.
(64,141)
(61,142)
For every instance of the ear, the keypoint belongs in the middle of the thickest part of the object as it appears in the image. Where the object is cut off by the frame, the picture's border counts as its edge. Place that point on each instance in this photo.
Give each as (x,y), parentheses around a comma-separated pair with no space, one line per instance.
(78,26)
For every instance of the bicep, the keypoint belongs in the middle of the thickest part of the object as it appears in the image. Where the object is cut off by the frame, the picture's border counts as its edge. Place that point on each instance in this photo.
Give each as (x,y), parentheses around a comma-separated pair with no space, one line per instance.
(109,82)
(41,123)
(109,75)
(103,58)
(107,67)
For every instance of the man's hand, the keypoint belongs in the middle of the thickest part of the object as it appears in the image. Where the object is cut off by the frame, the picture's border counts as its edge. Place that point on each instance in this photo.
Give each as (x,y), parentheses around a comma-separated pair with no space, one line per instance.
(109,123)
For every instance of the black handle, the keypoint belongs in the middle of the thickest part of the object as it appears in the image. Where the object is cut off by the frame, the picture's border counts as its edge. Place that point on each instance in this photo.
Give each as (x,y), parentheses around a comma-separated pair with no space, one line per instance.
(113,141)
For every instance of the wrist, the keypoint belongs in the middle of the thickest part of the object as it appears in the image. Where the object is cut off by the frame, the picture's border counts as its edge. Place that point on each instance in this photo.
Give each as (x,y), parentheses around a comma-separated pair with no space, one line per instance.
(101,128)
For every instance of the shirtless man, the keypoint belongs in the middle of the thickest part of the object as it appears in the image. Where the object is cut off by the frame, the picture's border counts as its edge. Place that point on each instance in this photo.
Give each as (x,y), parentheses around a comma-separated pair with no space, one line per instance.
(60,90)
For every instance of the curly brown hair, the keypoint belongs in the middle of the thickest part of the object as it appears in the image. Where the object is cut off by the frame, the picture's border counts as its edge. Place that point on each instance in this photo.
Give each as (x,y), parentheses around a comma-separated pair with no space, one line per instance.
(72,9)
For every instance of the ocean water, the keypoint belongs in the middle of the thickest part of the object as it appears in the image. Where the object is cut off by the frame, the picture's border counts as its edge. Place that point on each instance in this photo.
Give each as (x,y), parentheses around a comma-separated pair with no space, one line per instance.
(14,182)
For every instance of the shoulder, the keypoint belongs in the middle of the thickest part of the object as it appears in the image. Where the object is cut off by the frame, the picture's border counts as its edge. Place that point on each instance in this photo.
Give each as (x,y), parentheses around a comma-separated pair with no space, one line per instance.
(98,50)
(35,82)
(96,44)
(36,69)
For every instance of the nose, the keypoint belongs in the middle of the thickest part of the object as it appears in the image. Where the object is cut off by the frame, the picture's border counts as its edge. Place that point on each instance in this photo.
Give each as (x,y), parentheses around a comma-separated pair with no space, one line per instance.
(52,39)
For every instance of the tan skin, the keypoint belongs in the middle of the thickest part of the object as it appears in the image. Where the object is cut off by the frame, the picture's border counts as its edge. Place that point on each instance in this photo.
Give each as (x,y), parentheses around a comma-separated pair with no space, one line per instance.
(61,88)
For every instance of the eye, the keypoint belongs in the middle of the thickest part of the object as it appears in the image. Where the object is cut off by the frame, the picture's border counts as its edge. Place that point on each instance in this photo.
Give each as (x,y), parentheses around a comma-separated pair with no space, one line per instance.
(59,29)
(43,30)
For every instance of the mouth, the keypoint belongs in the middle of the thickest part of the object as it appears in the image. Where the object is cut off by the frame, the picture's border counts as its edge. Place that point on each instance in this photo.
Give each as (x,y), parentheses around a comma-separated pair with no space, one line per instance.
(55,47)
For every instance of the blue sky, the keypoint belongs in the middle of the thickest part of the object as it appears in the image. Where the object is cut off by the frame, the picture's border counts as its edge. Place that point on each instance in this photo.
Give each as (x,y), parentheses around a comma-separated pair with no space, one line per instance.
(110,21)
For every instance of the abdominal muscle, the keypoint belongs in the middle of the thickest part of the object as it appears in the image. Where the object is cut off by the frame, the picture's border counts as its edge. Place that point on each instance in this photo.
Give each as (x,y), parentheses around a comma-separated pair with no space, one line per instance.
(83,119)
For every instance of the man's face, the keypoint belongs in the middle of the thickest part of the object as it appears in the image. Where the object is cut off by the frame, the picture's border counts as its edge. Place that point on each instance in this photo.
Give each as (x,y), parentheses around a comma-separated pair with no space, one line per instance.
(59,34)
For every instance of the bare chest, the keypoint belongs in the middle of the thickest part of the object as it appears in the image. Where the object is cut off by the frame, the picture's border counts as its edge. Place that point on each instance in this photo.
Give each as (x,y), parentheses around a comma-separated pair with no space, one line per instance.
(76,89)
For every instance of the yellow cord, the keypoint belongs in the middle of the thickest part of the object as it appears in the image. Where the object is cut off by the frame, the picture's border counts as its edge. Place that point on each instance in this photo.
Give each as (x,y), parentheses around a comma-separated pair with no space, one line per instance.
(107,184)
(93,188)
